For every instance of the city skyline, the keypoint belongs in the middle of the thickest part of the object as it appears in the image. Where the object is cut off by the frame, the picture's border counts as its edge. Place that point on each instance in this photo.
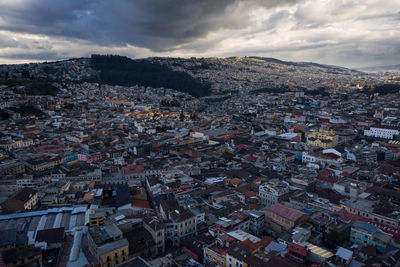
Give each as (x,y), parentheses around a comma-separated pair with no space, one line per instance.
(346,33)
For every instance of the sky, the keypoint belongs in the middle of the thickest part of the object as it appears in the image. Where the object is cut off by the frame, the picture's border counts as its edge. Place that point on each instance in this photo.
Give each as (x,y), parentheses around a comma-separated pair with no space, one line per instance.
(350,33)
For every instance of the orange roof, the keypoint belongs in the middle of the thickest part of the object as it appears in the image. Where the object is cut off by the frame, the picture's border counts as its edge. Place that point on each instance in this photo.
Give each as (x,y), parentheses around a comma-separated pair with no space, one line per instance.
(236,181)
(250,245)
(266,240)
(140,203)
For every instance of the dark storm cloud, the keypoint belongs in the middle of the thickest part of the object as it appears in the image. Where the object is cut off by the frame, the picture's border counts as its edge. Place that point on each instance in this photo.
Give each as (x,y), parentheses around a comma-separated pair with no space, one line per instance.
(347,32)
(155,24)
(35,56)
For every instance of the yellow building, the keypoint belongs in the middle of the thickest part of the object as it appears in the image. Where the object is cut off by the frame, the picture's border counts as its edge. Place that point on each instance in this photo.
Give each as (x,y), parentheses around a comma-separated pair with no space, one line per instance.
(322,138)
(96,221)
(16,144)
(216,255)
(95,217)
(107,244)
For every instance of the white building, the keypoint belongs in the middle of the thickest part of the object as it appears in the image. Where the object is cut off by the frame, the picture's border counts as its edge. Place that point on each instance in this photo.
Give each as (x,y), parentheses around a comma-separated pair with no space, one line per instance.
(381,132)
(272,193)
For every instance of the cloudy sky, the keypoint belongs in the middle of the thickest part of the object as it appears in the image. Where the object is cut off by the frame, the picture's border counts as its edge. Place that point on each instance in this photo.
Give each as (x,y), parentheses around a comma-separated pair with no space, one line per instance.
(351,33)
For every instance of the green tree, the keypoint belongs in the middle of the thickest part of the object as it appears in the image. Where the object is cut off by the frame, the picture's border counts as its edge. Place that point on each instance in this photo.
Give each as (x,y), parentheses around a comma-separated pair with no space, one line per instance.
(336,238)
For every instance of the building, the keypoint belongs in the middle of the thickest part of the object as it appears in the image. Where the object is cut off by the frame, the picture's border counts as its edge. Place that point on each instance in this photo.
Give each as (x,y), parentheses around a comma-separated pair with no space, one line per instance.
(141,243)
(344,256)
(378,132)
(196,246)
(95,217)
(322,138)
(107,245)
(155,226)
(297,253)
(350,187)
(256,220)
(273,192)
(11,167)
(282,218)
(13,144)
(365,208)
(22,256)
(239,255)
(180,223)
(48,239)
(215,254)
(24,199)
(365,234)
(136,262)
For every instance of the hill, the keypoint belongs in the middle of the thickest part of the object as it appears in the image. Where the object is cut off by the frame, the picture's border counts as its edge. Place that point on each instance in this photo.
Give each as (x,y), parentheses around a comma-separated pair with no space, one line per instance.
(198,77)
(118,70)
(392,68)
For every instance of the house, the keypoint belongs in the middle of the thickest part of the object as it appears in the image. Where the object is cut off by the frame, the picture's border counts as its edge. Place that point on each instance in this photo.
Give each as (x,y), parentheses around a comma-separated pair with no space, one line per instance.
(135,262)
(194,247)
(282,218)
(156,228)
(273,192)
(322,138)
(107,245)
(240,255)
(22,256)
(10,238)
(50,238)
(297,253)
(363,233)
(384,132)
(344,255)
(181,223)
(141,243)
(24,199)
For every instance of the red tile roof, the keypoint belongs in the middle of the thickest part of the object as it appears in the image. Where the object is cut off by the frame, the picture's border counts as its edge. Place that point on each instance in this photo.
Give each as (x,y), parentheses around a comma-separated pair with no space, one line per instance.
(250,194)
(89,196)
(140,203)
(286,212)
(131,169)
(296,248)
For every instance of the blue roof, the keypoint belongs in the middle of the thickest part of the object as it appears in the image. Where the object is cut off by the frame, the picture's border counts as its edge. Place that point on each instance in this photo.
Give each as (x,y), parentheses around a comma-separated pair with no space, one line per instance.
(23,214)
(365,226)
(308,211)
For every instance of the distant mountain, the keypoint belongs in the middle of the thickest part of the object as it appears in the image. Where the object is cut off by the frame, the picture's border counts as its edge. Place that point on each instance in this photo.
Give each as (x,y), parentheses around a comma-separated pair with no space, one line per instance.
(303,64)
(382,68)
(196,76)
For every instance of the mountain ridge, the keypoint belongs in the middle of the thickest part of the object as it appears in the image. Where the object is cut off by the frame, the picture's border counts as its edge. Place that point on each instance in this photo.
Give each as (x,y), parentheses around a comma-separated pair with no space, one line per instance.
(196,76)
(267,59)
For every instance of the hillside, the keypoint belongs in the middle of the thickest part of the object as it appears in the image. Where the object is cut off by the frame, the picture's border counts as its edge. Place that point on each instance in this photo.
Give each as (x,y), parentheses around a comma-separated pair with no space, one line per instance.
(118,70)
(392,68)
(198,77)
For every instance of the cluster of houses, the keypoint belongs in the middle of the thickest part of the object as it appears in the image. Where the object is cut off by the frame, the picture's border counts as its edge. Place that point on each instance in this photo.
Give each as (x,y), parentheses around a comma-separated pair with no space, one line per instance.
(111,176)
